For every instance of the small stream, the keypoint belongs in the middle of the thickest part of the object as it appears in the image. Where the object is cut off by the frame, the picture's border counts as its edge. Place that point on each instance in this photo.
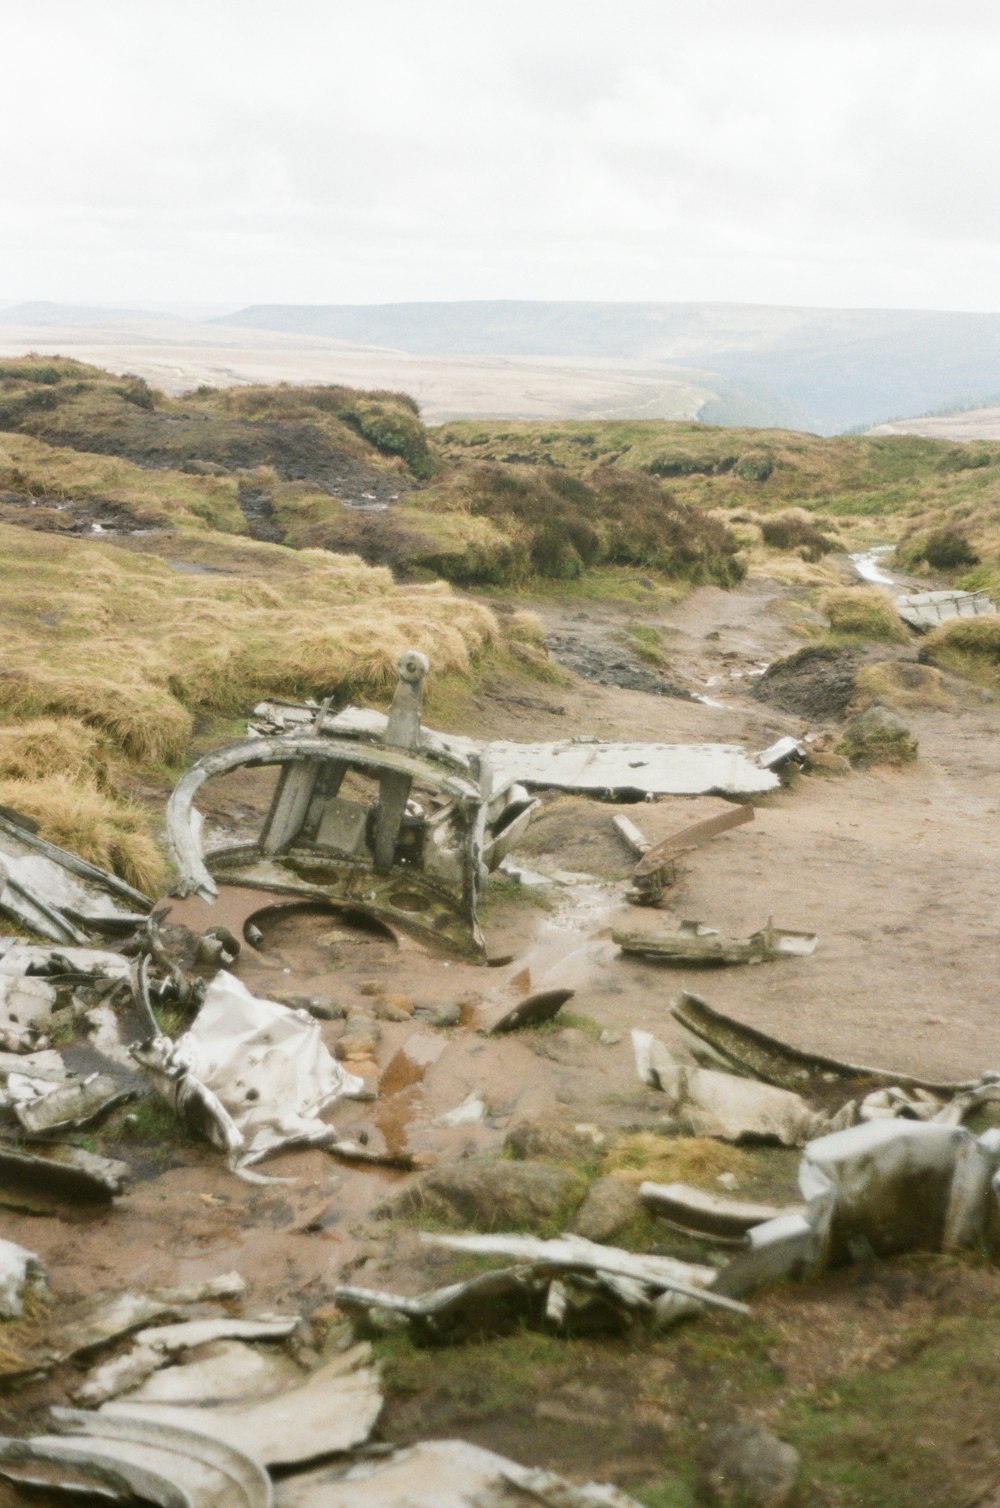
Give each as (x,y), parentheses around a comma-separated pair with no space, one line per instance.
(868,565)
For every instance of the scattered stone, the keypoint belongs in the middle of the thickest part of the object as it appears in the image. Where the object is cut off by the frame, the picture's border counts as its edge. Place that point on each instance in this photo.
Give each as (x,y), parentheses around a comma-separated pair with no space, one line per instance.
(491,1194)
(448,1015)
(744,1463)
(319,1006)
(551,1140)
(610,1205)
(609,1038)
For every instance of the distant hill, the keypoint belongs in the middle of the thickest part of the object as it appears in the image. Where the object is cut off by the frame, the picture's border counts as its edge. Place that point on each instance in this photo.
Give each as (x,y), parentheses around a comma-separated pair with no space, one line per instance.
(821,369)
(44,312)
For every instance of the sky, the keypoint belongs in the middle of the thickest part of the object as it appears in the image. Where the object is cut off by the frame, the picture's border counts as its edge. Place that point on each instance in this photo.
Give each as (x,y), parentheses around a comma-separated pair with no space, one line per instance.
(220,153)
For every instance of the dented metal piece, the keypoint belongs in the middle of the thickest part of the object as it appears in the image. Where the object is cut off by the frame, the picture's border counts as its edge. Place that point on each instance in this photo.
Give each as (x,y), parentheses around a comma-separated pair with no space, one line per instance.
(695,943)
(719,1039)
(59,895)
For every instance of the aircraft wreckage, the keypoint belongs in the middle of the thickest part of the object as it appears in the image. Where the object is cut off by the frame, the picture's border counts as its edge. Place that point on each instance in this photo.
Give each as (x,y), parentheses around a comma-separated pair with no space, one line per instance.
(386,817)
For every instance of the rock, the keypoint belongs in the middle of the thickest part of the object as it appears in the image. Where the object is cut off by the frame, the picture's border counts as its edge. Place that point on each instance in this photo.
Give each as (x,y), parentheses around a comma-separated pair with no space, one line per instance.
(820,759)
(743,1463)
(553,1140)
(448,1015)
(608,1208)
(495,1194)
(878,736)
(316,1005)
(360,1044)
(400,1005)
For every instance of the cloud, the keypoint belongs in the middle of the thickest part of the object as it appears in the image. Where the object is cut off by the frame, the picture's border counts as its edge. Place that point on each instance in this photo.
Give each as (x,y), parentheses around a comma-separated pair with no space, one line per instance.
(328,152)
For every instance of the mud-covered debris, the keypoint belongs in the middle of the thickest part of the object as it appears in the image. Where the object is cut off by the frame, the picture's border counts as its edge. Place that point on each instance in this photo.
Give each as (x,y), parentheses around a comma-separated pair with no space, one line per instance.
(252,1075)
(533,1010)
(61,965)
(563,1284)
(41,1106)
(635,841)
(137,1459)
(925,610)
(724,1105)
(694,943)
(657,868)
(332,1409)
(718,1039)
(698,1213)
(58,895)
(442,1474)
(20,1270)
(26,1006)
(44,1174)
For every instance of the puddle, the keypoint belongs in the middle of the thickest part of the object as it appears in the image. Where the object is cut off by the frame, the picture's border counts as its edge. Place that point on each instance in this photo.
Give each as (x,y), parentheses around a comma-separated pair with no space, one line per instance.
(866,563)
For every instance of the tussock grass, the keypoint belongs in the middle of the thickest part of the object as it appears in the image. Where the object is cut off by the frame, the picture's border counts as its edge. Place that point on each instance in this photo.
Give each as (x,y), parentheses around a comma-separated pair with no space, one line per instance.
(864,612)
(901,684)
(109,656)
(968,646)
(155,499)
(101,828)
(50,746)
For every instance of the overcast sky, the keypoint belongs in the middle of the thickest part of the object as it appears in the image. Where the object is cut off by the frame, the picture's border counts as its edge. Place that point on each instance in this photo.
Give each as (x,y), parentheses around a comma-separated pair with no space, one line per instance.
(229,152)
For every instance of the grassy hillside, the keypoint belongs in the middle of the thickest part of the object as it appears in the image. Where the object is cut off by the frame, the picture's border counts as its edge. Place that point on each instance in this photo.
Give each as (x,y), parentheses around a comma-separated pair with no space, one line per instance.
(113,657)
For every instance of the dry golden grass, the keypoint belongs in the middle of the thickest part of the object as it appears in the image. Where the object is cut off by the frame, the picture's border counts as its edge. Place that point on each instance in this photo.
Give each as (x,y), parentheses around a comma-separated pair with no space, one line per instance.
(864,612)
(51,746)
(968,646)
(902,684)
(153,498)
(104,829)
(109,655)
(680,1159)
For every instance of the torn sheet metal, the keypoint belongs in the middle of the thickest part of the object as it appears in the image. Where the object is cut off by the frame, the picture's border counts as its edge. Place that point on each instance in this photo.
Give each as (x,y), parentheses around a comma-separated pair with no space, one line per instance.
(258,1073)
(42,1107)
(20,1269)
(443,1474)
(62,965)
(724,1105)
(384,820)
(925,610)
(785,751)
(891,1186)
(222,1372)
(332,1409)
(59,895)
(875,1189)
(157,1347)
(171,1466)
(714,1037)
(694,943)
(580,764)
(712,1217)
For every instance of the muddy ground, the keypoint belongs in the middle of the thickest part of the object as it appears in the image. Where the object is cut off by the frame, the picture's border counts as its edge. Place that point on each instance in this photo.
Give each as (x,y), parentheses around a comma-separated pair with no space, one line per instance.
(896,869)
